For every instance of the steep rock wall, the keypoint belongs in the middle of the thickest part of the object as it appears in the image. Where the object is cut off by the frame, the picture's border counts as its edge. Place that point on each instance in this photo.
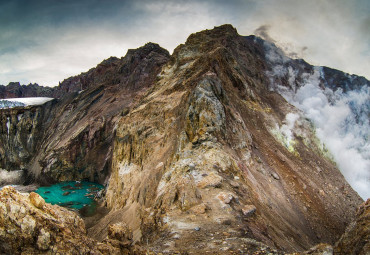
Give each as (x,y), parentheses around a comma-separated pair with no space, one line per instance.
(20,134)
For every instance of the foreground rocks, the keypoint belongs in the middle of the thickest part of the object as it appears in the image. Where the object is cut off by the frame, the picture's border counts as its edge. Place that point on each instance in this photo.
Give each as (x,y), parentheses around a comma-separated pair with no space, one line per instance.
(28,225)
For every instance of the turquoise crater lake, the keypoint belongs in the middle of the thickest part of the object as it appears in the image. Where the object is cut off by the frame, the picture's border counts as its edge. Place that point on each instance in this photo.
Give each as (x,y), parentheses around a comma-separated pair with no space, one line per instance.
(74,195)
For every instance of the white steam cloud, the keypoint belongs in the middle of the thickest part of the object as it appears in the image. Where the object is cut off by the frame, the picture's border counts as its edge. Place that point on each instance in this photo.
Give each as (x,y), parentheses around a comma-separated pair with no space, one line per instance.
(341,119)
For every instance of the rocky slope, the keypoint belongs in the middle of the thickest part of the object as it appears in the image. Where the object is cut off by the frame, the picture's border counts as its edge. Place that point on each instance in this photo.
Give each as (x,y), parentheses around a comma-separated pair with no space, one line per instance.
(190,152)
(199,153)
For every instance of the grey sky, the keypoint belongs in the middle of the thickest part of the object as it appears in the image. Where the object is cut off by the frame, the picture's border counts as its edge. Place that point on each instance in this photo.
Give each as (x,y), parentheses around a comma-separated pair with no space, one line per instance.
(46,41)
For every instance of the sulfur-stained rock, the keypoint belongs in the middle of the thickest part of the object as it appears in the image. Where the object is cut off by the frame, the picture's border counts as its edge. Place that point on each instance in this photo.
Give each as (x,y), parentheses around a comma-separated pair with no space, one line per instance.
(43,240)
(120,231)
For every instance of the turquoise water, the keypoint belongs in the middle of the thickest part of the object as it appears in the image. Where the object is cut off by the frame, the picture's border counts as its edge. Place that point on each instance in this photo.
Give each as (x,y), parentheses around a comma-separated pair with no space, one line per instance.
(74,195)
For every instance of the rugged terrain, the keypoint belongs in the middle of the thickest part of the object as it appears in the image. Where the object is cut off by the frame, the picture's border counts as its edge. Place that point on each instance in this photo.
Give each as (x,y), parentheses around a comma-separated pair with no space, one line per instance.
(188,149)
(74,138)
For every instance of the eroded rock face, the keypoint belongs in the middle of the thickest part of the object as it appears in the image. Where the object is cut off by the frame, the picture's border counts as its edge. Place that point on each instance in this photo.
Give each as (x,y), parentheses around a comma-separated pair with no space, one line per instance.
(16,90)
(21,133)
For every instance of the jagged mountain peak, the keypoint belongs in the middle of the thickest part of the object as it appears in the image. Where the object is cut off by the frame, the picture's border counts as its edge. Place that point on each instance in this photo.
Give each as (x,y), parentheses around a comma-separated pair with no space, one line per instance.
(148,48)
(223,31)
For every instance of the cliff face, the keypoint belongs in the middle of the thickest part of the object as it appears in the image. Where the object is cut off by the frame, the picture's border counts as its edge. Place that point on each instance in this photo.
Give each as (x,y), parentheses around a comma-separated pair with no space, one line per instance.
(20,134)
(195,148)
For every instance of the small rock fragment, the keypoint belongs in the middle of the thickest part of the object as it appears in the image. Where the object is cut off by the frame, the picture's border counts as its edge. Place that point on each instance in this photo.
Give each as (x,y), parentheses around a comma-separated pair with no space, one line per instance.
(43,240)
(225,197)
(37,200)
(199,209)
(248,210)
(120,231)
(276,177)
(192,166)
(212,180)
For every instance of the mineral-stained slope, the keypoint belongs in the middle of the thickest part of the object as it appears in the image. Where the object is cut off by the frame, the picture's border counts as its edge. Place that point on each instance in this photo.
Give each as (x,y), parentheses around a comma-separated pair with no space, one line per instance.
(191,149)
(198,161)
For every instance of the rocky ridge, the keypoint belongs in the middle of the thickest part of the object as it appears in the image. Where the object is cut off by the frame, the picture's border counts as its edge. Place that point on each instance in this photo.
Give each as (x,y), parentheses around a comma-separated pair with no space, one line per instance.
(74,138)
(187,147)
(16,90)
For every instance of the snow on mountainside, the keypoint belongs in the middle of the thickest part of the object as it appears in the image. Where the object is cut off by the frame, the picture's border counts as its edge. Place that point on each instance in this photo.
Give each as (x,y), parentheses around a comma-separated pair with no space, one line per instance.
(9,104)
(14,102)
(339,108)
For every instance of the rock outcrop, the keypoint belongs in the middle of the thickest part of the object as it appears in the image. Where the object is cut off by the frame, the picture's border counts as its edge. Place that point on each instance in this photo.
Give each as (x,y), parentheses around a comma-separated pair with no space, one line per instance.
(28,225)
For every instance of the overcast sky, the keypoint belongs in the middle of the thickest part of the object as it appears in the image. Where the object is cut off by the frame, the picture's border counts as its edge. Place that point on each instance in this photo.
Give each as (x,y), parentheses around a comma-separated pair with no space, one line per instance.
(46,41)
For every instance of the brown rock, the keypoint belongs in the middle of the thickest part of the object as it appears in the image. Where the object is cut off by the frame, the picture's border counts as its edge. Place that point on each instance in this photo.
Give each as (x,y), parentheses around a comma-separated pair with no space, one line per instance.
(225,197)
(211,180)
(37,200)
(248,210)
(120,231)
(199,209)
(53,230)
